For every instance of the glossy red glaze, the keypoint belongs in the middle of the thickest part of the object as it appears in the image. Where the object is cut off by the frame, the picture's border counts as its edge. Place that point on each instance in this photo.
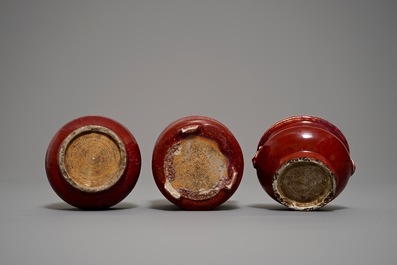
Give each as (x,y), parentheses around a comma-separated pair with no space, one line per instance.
(304,139)
(84,197)
(198,131)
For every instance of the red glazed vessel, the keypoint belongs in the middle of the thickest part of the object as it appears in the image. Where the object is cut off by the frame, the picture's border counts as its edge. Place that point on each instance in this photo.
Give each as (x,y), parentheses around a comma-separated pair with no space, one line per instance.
(93,162)
(303,162)
(197,163)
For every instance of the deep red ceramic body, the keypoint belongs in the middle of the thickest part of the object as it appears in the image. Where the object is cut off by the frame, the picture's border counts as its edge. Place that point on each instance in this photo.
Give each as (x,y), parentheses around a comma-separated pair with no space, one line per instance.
(308,138)
(104,198)
(210,129)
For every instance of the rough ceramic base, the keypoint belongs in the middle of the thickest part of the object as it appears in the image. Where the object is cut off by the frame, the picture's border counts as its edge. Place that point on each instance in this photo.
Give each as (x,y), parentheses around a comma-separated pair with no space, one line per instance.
(92,158)
(195,168)
(304,184)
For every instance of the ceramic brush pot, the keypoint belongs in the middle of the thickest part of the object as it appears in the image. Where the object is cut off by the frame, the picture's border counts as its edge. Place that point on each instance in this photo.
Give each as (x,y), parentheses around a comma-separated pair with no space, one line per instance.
(197,163)
(303,162)
(93,162)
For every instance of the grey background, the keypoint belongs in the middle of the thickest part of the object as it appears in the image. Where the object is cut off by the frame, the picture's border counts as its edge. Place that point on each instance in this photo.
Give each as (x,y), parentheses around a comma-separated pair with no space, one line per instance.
(244,63)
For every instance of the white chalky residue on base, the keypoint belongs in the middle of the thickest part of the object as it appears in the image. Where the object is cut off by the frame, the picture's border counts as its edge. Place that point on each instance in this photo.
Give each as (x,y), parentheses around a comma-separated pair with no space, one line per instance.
(171,190)
(234,176)
(189,129)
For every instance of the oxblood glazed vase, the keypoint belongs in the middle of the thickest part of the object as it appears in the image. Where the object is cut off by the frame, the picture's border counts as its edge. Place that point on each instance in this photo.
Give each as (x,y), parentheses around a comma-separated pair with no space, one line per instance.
(93,162)
(197,163)
(303,162)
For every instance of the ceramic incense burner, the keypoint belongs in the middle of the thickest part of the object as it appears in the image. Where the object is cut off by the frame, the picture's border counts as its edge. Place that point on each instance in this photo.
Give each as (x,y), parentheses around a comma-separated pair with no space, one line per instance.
(197,163)
(93,162)
(303,162)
